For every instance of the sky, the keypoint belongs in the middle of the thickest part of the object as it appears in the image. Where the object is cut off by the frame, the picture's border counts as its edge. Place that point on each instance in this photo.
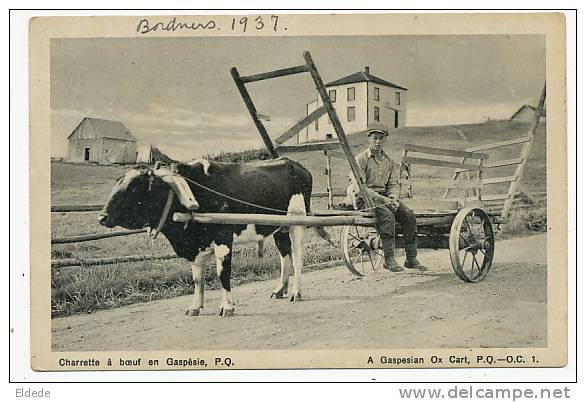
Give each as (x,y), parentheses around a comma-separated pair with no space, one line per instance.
(177,93)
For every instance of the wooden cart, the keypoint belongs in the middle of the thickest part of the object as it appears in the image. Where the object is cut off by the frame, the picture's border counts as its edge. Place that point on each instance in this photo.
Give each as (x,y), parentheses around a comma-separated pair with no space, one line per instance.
(461,219)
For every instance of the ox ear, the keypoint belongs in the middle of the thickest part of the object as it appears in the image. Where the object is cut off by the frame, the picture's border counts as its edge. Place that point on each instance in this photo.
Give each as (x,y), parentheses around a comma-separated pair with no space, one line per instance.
(182,191)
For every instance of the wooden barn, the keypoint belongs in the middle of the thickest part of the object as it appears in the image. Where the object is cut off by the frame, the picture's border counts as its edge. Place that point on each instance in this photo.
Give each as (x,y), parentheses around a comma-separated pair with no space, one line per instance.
(526,113)
(98,140)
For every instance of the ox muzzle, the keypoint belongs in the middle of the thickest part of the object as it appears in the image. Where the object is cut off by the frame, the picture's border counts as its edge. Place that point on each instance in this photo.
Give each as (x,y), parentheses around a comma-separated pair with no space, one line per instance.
(103,220)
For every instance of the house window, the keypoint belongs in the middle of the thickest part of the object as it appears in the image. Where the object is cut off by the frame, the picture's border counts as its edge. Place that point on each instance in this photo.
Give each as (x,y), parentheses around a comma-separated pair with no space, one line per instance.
(397,98)
(351,113)
(351,94)
(317,125)
(329,136)
(332,95)
(376,94)
(376,114)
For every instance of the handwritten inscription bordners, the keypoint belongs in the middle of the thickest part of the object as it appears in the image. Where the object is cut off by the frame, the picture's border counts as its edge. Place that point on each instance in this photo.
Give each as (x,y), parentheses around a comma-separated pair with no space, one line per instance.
(240,24)
(145,26)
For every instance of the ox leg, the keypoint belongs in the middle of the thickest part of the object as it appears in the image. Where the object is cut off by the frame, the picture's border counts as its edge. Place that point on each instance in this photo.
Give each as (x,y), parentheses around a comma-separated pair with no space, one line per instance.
(201,261)
(296,207)
(224,269)
(283,243)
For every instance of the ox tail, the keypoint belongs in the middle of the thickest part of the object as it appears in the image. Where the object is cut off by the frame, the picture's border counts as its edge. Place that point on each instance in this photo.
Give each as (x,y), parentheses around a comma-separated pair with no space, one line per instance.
(324,234)
(307,185)
(320,230)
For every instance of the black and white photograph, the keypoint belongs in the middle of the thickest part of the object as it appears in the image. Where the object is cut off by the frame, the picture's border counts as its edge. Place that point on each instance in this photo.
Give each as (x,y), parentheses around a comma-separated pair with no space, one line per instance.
(238,192)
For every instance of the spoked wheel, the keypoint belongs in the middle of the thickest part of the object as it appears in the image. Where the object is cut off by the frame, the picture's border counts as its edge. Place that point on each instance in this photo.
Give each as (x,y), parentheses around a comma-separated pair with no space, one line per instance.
(361,249)
(471,244)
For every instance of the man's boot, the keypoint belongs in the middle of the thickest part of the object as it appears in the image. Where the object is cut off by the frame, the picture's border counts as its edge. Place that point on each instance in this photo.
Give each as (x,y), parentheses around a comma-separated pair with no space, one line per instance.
(389,250)
(411,260)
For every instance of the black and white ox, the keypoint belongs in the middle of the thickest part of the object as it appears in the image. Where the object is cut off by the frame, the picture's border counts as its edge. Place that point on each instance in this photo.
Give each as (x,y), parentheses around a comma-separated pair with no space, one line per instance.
(146,197)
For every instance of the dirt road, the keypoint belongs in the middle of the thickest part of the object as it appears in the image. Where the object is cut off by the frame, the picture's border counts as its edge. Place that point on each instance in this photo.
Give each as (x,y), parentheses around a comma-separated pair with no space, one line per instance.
(383,310)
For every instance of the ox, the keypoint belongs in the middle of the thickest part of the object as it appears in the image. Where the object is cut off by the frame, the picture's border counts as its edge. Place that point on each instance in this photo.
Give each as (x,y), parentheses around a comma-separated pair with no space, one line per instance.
(146,197)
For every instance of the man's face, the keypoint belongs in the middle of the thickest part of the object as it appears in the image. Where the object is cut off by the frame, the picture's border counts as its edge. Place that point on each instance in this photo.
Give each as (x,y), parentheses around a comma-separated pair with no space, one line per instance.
(377,141)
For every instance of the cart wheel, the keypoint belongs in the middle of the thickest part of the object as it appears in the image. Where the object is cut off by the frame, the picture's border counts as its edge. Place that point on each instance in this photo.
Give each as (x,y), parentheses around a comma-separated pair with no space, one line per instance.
(361,249)
(471,244)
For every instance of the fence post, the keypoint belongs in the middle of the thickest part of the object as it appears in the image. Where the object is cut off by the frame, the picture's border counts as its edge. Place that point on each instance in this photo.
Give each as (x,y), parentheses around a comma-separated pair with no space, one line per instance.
(329,180)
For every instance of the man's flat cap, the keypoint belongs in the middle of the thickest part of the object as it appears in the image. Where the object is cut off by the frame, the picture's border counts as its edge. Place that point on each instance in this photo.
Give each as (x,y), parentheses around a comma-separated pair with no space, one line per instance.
(377,128)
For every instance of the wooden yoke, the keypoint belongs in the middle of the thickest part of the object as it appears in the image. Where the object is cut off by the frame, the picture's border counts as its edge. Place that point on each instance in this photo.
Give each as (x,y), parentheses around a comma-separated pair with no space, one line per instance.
(319,85)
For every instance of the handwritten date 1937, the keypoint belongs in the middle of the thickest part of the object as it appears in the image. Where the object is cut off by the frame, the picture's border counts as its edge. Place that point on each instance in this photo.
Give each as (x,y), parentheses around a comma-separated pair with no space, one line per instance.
(242,24)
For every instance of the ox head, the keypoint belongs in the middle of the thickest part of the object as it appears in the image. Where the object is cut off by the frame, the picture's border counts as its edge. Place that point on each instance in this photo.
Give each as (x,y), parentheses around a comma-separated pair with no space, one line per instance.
(138,198)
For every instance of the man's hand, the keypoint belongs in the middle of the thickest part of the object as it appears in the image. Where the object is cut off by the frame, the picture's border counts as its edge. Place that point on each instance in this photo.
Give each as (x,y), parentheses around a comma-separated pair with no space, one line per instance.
(394,204)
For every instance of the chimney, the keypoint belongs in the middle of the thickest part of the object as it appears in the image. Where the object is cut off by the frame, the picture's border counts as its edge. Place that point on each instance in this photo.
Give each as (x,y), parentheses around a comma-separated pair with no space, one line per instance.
(367,70)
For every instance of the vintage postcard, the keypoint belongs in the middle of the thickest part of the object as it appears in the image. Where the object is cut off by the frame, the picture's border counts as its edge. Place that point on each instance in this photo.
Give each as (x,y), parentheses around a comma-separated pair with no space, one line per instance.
(272,191)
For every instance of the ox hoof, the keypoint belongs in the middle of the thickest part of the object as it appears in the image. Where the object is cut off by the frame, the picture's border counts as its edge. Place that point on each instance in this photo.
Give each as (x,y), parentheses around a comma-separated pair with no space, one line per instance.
(226,312)
(192,312)
(277,295)
(295,298)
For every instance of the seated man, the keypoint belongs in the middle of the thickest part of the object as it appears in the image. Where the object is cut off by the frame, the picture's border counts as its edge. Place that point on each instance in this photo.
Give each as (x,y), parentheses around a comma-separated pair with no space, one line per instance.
(381,176)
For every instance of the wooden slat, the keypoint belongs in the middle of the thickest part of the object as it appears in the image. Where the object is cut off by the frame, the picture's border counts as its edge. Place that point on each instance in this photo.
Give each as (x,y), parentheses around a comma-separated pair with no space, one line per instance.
(494,203)
(441,183)
(76,208)
(310,146)
(300,125)
(418,204)
(495,180)
(321,90)
(97,236)
(274,74)
(253,112)
(505,162)
(501,144)
(455,175)
(497,164)
(444,151)
(490,197)
(526,150)
(272,220)
(435,162)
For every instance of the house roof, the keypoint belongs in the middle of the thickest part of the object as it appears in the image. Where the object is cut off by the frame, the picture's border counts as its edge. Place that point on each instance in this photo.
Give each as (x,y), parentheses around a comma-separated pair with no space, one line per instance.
(100,128)
(363,76)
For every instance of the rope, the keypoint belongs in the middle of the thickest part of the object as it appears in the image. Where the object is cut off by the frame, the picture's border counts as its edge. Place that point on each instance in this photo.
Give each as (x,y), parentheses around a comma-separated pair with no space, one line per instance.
(250,204)
(235,199)
(375,207)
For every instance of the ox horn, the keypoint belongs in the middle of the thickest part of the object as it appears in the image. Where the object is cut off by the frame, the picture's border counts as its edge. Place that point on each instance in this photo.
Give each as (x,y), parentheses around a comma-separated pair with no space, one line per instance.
(180,188)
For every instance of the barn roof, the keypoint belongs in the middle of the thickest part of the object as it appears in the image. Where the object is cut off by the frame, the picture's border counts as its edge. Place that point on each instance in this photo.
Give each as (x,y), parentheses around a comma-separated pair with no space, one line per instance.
(363,76)
(521,109)
(100,128)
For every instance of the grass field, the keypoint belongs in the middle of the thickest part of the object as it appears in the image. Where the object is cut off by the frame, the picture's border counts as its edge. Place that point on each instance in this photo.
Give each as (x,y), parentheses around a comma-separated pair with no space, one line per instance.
(84,289)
